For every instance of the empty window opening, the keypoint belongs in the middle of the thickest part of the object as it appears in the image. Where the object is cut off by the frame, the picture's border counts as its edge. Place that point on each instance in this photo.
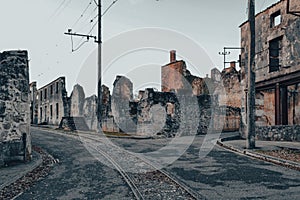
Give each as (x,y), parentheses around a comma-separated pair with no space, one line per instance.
(57,110)
(45,94)
(45,113)
(56,85)
(51,111)
(275,19)
(41,114)
(274,54)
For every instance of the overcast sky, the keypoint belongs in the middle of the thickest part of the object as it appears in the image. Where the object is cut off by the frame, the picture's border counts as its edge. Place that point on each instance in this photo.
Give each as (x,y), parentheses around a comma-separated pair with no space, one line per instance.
(39,25)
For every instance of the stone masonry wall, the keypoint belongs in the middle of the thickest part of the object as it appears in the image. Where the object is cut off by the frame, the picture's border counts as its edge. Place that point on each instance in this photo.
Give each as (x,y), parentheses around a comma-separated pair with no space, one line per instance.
(282,39)
(15,140)
(76,101)
(278,133)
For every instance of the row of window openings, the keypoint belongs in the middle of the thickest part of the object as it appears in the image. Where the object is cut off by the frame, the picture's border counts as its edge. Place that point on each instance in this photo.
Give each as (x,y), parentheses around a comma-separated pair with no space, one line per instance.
(51,111)
(51,91)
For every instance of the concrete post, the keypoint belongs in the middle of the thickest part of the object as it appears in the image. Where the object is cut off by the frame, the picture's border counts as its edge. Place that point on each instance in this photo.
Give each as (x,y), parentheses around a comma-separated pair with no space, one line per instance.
(250,134)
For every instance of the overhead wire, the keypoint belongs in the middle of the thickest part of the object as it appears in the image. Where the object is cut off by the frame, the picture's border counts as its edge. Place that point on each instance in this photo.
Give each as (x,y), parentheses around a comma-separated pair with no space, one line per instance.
(82,14)
(61,8)
(80,43)
(58,8)
(78,46)
(105,11)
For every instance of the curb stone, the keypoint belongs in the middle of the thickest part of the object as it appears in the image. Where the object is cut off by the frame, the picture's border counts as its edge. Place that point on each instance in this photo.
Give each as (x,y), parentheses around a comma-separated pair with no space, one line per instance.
(25,180)
(24,172)
(267,158)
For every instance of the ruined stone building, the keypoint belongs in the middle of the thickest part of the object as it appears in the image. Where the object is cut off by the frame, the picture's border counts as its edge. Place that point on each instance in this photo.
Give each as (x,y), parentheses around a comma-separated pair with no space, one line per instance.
(83,110)
(198,103)
(277,69)
(52,102)
(228,92)
(225,87)
(15,139)
(175,76)
(33,104)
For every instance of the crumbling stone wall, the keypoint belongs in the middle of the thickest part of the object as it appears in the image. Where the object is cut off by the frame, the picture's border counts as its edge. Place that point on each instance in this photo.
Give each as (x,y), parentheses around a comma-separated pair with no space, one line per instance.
(172,76)
(76,101)
(90,112)
(231,82)
(87,108)
(120,100)
(33,104)
(15,140)
(229,95)
(157,113)
(265,112)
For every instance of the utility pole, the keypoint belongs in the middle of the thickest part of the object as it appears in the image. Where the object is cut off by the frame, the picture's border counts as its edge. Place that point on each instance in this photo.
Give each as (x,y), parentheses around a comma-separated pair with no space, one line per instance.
(224,53)
(250,132)
(99,107)
(98,40)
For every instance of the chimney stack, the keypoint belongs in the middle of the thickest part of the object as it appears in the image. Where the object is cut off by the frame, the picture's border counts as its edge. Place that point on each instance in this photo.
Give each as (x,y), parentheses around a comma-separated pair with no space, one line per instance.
(232,64)
(172,56)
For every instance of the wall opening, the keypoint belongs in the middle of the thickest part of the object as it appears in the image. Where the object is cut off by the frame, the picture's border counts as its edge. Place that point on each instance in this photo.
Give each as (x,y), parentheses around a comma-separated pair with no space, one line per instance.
(51,111)
(275,19)
(45,94)
(56,85)
(57,110)
(274,54)
(51,89)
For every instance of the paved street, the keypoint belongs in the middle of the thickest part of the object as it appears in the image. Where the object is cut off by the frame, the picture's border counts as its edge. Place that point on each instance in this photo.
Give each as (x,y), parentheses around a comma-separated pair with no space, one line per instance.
(219,175)
(78,175)
(226,175)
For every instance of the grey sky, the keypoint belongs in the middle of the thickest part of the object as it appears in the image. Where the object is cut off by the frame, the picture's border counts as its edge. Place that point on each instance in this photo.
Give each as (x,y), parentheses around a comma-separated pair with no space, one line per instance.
(38,26)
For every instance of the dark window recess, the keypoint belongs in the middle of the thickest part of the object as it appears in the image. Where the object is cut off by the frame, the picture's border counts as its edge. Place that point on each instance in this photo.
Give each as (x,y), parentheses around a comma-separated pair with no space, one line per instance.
(51,89)
(275,19)
(41,95)
(41,114)
(57,111)
(274,54)
(45,94)
(45,113)
(56,85)
(51,111)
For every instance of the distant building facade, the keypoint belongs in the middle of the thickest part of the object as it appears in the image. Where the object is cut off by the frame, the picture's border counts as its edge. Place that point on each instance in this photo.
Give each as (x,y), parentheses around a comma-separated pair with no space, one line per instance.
(52,102)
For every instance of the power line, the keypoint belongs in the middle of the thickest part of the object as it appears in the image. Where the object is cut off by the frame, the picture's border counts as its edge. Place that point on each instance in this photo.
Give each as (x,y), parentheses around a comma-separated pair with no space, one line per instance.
(58,8)
(105,11)
(82,14)
(61,8)
(80,43)
(78,46)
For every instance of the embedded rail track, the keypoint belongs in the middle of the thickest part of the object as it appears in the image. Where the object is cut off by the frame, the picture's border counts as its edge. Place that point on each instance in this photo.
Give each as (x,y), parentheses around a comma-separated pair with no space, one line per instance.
(145,179)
